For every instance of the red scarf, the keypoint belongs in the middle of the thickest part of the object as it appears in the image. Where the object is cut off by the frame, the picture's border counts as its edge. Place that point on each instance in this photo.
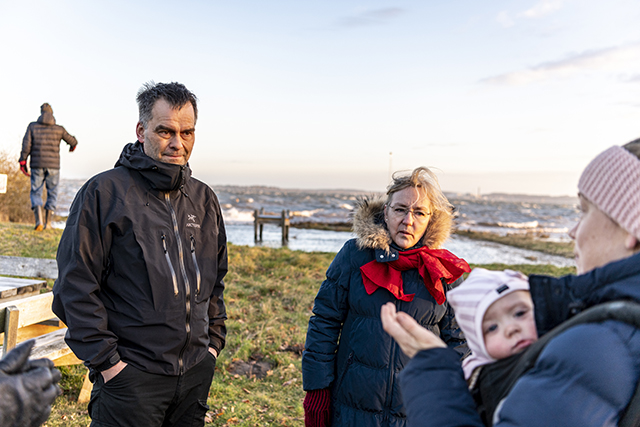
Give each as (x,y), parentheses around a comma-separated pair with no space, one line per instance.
(432,264)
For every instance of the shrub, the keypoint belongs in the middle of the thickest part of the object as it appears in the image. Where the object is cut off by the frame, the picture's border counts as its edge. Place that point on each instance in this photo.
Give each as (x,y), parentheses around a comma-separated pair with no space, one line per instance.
(15,205)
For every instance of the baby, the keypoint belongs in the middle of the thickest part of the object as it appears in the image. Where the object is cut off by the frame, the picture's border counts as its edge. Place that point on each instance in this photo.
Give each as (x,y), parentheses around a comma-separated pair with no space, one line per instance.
(495,311)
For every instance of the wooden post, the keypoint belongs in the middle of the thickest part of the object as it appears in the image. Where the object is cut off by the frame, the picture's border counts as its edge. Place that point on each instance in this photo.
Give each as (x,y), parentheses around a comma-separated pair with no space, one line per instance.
(255,225)
(12,315)
(261,223)
(285,238)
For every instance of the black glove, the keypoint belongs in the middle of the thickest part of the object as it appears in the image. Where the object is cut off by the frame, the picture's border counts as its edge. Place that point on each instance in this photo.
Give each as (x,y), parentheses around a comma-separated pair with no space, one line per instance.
(28,388)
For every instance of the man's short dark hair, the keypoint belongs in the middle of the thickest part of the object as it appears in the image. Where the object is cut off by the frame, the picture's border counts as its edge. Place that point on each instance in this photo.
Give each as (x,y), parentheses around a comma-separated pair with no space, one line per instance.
(176,94)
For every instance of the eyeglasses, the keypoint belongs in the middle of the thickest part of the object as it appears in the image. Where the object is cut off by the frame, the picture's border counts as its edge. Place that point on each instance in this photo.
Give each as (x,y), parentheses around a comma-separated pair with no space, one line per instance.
(419,215)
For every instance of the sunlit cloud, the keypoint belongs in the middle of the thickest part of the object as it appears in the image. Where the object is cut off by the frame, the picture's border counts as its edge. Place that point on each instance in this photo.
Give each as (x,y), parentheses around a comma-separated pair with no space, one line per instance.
(612,58)
(371,17)
(542,8)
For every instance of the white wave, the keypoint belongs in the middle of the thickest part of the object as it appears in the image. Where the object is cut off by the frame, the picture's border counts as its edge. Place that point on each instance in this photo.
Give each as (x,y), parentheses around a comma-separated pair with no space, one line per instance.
(529,224)
(347,206)
(306,214)
(234,215)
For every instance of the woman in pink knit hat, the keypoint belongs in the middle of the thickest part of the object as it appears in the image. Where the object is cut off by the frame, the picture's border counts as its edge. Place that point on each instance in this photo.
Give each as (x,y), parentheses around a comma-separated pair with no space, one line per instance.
(587,374)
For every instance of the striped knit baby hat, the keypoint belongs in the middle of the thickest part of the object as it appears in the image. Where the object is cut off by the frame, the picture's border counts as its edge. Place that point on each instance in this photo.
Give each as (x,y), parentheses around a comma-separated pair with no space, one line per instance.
(471,299)
(612,182)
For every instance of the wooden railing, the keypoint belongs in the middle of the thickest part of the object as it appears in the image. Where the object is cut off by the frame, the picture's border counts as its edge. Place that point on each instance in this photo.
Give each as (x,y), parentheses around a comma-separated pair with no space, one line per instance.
(261,218)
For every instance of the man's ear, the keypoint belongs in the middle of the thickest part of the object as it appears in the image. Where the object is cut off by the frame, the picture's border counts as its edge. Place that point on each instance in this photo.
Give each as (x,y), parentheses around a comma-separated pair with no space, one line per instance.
(140,132)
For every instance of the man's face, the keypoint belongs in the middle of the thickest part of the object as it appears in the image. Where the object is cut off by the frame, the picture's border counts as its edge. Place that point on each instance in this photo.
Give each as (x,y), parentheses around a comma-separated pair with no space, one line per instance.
(170,134)
(508,325)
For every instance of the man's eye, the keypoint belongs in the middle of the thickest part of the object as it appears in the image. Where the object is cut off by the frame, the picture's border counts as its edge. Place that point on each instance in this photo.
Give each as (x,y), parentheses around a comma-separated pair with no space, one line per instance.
(163,132)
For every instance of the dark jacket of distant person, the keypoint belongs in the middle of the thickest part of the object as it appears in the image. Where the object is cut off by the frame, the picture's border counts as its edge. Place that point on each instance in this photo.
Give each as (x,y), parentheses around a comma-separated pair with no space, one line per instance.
(585,376)
(141,266)
(362,372)
(42,141)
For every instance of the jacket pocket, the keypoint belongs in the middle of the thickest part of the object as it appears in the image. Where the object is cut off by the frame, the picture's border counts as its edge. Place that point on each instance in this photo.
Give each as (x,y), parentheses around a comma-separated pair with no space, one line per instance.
(195,266)
(174,278)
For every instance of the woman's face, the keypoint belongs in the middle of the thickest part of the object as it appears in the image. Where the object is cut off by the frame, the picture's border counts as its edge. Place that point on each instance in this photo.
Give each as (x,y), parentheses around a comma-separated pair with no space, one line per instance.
(407,216)
(598,239)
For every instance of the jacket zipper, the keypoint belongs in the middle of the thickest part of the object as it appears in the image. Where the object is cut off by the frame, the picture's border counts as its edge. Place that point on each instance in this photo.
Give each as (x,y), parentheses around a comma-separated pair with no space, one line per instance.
(392,357)
(167,198)
(173,272)
(195,263)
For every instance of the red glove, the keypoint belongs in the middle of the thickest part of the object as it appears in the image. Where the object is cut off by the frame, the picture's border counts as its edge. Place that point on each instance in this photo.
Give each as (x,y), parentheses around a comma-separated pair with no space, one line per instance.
(317,408)
(23,167)
(72,148)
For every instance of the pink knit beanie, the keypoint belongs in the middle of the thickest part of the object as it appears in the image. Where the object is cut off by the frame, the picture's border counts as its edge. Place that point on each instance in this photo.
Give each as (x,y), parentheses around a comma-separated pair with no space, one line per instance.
(471,299)
(612,182)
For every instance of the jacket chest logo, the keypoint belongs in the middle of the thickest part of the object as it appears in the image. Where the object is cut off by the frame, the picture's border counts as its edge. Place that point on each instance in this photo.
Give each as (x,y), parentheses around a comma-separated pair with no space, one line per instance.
(191,221)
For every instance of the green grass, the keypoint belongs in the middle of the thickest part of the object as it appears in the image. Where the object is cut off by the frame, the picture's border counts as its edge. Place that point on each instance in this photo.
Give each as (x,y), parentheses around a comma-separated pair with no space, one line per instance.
(269,295)
(22,240)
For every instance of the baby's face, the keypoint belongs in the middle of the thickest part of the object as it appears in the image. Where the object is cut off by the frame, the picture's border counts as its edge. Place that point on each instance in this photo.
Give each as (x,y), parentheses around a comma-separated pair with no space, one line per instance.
(508,326)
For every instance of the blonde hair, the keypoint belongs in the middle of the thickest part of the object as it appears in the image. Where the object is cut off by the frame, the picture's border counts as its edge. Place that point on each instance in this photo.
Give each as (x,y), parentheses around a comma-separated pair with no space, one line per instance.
(423,180)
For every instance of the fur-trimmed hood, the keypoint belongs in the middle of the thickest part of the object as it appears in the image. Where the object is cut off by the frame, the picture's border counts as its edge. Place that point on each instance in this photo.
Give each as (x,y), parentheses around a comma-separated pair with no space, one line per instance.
(371,231)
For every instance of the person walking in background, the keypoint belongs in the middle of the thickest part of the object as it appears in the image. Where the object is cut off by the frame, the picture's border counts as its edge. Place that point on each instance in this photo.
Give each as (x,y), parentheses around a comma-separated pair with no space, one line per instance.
(349,365)
(588,373)
(41,142)
(141,265)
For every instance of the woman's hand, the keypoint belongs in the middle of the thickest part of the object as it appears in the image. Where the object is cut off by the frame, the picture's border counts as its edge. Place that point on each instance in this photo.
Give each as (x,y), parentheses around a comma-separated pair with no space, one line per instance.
(410,336)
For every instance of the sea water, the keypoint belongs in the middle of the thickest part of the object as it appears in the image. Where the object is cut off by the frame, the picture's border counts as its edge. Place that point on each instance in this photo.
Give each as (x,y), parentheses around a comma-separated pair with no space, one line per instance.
(544,217)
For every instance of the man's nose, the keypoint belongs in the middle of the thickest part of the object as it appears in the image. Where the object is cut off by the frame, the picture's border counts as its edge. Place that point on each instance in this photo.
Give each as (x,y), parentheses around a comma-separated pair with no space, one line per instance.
(176,142)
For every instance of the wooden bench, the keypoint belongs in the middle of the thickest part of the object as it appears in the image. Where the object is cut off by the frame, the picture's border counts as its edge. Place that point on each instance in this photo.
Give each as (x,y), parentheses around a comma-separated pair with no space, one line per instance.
(260,218)
(23,318)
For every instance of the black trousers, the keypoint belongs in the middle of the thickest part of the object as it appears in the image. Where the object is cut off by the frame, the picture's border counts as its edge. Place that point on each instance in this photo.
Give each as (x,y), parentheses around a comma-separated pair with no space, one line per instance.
(135,398)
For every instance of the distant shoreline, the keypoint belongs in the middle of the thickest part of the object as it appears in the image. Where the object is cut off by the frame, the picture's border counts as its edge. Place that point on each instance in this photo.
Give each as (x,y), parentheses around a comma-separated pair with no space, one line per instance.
(523,241)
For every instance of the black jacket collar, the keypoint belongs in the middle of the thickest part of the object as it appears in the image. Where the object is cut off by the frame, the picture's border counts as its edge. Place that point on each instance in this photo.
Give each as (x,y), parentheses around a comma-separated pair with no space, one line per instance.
(160,176)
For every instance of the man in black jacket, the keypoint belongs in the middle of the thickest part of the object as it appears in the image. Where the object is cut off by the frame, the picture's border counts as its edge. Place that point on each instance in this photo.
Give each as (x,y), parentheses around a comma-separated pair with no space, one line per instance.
(42,142)
(141,264)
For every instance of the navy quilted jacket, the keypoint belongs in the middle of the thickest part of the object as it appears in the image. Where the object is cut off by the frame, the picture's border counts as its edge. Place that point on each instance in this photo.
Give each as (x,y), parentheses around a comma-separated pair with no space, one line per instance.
(348,351)
(585,376)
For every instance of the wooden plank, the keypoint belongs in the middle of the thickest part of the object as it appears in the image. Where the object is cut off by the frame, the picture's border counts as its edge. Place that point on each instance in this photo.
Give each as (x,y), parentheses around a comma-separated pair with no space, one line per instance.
(29,267)
(12,288)
(33,331)
(85,392)
(69,359)
(33,309)
(51,346)
(11,316)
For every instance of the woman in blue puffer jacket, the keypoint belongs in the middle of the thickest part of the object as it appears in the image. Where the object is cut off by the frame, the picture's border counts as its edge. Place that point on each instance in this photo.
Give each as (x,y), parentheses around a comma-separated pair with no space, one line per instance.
(586,375)
(350,364)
